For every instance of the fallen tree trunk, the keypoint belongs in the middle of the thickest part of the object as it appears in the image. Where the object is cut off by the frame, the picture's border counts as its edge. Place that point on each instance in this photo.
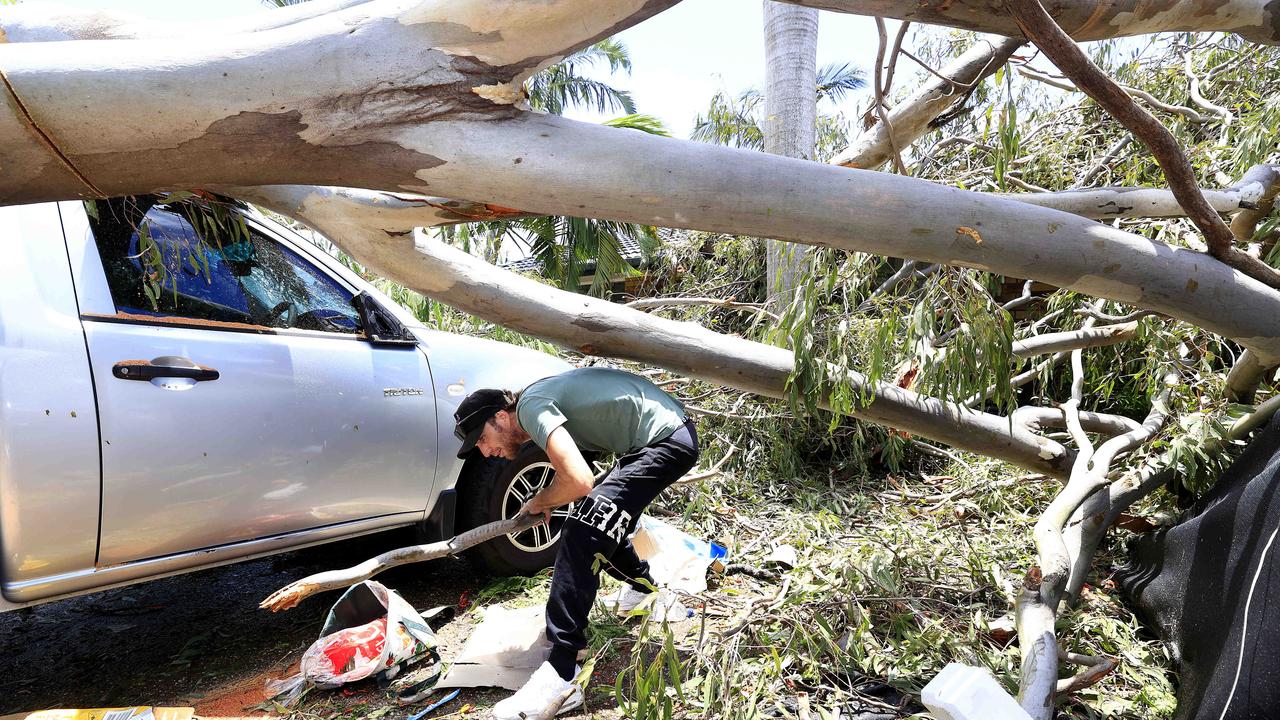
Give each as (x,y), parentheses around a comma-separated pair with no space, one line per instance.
(456,136)
(377,229)
(299,590)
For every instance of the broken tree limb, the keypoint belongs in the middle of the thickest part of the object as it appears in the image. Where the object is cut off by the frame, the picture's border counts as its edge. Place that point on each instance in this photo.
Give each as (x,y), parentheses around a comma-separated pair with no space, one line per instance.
(1261,182)
(1095,668)
(910,119)
(1127,202)
(1036,419)
(1083,529)
(1037,25)
(1038,678)
(1073,339)
(1058,558)
(1244,377)
(376,228)
(299,590)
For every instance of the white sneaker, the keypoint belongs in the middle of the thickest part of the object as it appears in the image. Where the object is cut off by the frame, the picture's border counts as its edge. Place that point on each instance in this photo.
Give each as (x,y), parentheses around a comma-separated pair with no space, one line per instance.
(666,606)
(539,697)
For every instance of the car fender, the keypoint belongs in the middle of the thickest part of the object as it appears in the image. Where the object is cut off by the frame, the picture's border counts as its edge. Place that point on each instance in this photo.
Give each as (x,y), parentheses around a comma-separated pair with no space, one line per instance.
(461,365)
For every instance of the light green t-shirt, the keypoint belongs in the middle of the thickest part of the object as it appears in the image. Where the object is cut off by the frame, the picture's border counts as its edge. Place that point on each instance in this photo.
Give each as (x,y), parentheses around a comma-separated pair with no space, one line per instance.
(603,409)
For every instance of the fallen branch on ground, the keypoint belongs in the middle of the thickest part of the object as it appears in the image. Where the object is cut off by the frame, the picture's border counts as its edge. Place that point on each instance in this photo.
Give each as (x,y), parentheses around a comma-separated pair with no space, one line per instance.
(299,590)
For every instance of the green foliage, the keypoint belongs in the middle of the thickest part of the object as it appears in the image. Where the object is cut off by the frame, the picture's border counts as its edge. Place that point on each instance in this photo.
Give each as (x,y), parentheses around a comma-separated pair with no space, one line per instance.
(640,121)
(214,219)
(737,121)
(562,85)
(732,121)
(565,246)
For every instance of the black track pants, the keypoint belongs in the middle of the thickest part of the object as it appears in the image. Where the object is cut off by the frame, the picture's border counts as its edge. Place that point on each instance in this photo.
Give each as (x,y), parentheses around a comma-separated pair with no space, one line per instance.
(601,525)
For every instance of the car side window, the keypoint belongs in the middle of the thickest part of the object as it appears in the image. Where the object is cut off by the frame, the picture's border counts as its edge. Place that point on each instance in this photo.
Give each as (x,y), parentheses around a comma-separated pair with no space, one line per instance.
(183,260)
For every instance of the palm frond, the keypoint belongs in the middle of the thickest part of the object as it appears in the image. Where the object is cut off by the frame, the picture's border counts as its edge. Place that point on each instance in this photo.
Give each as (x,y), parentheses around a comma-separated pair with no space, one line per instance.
(836,81)
(562,85)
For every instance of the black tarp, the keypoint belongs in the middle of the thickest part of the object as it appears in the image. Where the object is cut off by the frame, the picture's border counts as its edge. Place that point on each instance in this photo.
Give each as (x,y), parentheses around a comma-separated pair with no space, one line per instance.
(1193,582)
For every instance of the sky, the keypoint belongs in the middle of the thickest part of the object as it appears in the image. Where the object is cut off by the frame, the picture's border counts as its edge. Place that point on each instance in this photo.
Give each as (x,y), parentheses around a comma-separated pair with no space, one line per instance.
(680,58)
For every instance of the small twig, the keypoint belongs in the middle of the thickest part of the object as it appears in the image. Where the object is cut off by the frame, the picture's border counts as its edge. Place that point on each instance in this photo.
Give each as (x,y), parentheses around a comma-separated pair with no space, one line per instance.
(940,76)
(1096,315)
(713,470)
(1145,96)
(893,54)
(881,109)
(1013,178)
(1096,668)
(1109,156)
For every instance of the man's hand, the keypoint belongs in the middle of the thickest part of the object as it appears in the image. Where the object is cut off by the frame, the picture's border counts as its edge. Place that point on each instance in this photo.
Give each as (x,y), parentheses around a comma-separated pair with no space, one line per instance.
(533,507)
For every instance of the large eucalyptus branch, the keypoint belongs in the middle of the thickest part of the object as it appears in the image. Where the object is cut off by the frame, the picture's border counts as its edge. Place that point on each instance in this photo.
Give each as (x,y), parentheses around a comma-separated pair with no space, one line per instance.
(412,117)
(376,228)
(1057,559)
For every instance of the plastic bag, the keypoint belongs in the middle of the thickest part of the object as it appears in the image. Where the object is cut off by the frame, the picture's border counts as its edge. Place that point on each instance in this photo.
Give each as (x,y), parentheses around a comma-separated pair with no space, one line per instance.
(676,558)
(370,631)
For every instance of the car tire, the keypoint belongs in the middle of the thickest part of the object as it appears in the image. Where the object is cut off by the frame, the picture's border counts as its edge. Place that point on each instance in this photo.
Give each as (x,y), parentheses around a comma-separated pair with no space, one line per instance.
(494,489)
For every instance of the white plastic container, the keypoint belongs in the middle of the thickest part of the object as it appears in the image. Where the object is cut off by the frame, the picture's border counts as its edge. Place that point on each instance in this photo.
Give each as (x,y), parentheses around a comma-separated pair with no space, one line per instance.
(962,692)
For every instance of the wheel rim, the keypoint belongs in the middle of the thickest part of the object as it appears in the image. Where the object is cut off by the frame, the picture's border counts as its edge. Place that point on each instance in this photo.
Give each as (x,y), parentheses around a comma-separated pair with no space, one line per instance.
(521,490)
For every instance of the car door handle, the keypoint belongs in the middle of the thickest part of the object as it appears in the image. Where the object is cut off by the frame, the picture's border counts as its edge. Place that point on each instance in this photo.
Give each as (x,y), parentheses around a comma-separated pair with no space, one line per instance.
(167,366)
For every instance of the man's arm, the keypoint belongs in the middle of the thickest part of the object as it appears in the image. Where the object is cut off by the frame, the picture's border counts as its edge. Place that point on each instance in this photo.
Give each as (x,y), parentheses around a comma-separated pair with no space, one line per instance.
(573,480)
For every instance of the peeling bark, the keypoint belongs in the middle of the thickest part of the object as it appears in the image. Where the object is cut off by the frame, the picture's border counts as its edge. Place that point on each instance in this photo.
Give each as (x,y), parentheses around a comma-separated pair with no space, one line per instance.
(542,164)
(354,76)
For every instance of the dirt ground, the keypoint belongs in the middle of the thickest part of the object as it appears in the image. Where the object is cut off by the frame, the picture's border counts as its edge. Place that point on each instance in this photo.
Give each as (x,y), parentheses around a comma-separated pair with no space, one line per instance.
(200,640)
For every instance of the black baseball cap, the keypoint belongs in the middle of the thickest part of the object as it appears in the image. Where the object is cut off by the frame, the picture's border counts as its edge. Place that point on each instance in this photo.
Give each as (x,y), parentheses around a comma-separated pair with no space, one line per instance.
(474,411)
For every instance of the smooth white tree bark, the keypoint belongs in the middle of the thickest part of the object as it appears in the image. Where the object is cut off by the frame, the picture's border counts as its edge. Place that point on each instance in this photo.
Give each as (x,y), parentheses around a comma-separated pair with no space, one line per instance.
(341,118)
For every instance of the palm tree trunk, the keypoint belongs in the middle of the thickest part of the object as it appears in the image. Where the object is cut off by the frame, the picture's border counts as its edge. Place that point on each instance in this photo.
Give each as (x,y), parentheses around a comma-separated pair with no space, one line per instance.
(791,116)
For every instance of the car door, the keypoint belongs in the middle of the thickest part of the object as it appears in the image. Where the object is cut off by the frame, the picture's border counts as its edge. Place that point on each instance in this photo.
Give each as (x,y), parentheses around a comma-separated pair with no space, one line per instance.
(237,396)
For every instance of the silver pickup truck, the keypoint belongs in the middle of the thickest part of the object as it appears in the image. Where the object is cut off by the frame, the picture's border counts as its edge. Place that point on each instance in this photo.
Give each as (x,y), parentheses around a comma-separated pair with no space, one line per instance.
(178,393)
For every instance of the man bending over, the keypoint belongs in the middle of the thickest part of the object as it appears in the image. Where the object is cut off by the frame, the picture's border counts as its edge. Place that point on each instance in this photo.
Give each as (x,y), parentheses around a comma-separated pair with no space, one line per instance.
(600,410)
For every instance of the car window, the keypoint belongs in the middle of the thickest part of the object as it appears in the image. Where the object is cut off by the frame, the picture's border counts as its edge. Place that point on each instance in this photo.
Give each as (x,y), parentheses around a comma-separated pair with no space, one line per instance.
(190,260)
